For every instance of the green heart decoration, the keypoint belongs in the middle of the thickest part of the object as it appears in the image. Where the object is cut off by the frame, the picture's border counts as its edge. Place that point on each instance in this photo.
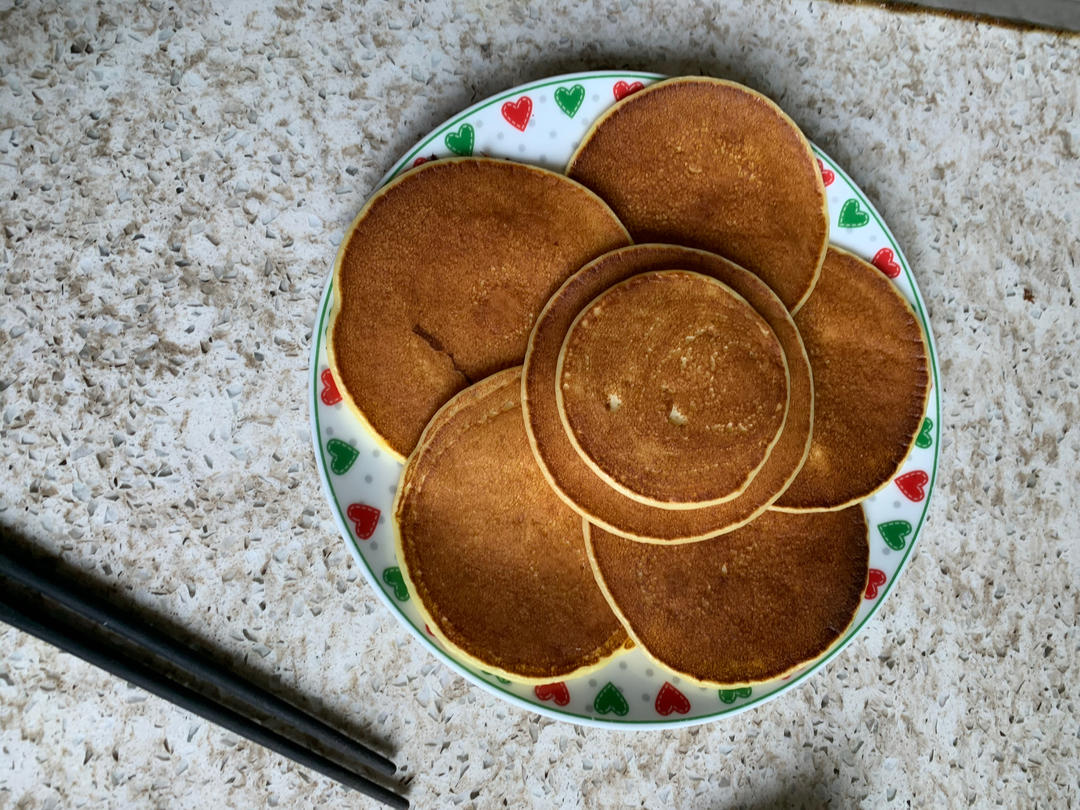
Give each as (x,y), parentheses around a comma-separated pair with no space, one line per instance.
(610,700)
(570,99)
(895,533)
(852,216)
(461,142)
(342,456)
(731,695)
(496,677)
(392,577)
(924,439)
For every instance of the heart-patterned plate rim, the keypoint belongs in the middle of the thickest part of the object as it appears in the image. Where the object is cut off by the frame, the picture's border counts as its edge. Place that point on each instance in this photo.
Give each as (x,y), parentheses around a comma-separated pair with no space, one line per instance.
(731,701)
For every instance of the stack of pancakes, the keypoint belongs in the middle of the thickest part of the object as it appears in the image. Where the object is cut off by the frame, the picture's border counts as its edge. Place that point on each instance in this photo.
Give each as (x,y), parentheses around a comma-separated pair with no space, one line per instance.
(638,403)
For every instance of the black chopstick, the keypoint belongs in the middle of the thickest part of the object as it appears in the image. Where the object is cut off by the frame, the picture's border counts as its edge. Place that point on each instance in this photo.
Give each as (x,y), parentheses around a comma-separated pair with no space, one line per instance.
(194,664)
(50,627)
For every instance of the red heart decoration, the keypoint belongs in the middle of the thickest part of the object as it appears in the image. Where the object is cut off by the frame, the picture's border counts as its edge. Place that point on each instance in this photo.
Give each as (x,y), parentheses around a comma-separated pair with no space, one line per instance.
(329,395)
(913,485)
(874,581)
(827,175)
(429,631)
(364,519)
(517,113)
(885,261)
(553,691)
(419,160)
(622,89)
(669,699)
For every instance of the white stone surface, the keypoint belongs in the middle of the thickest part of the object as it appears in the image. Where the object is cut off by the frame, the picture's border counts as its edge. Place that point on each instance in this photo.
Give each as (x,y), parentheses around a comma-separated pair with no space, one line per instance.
(174,179)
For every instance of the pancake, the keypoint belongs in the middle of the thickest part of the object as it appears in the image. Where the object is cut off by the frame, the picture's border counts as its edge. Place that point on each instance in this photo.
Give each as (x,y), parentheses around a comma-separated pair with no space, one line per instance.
(743,608)
(495,561)
(440,278)
(872,379)
(672,388)
(714,165)
(572,478)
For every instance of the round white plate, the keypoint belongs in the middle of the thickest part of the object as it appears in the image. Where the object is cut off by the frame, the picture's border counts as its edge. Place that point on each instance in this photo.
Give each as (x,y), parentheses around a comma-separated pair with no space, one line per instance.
(542,123)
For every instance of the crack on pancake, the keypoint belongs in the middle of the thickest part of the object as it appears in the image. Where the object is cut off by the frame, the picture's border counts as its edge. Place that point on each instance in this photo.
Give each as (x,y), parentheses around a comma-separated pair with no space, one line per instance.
(437,345)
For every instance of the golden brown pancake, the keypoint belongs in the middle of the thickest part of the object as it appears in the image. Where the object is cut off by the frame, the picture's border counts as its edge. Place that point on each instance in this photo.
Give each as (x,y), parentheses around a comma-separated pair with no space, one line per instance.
(441,277)
(672,388)
(495,561)
(743,608)
(714,165)
(576,483)
(871,370)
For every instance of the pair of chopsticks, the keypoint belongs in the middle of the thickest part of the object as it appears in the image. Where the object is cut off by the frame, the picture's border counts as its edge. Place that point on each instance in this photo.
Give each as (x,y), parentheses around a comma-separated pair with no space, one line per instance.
(48,613)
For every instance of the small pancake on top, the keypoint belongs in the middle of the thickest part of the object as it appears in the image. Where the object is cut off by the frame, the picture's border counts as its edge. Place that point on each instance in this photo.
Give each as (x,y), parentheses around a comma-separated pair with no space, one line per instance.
(673,389)
(577,483)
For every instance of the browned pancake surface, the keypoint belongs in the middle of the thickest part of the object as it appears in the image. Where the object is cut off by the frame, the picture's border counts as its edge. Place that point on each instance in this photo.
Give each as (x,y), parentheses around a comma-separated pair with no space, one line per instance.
(576,482)
(441,278)
(714,165)
(871,377)
(673,388)
(496,561)
(746,607)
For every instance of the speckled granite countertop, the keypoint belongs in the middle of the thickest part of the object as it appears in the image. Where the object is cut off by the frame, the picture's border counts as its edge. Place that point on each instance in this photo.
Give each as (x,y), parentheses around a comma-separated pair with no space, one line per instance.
(175,179)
